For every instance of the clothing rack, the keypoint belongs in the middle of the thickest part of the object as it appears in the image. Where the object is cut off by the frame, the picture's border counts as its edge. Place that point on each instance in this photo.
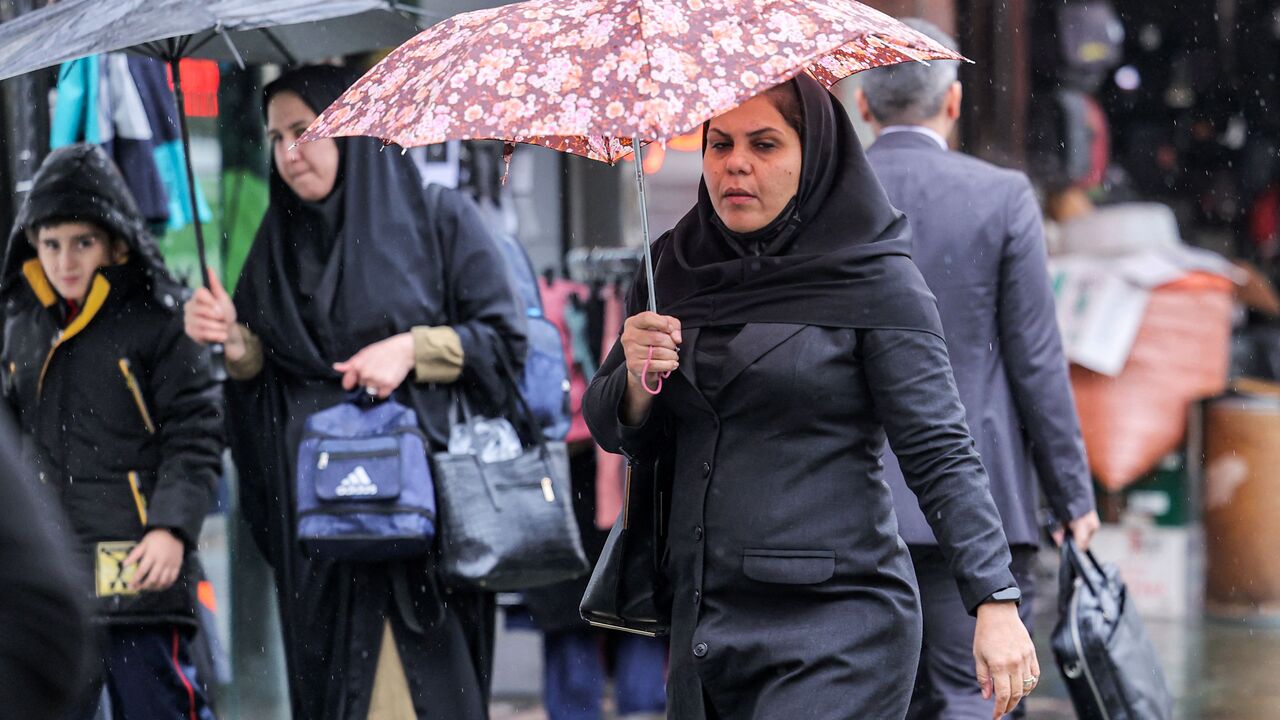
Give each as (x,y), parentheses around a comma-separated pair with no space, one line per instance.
(608,264)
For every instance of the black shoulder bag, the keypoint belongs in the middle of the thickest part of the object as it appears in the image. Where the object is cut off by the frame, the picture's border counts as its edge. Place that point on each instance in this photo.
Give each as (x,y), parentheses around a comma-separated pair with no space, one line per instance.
(508,525)
(628,590)
(505,525)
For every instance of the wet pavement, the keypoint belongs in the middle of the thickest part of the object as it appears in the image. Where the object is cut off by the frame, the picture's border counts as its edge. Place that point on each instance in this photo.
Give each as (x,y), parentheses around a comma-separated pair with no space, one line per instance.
(1217,669)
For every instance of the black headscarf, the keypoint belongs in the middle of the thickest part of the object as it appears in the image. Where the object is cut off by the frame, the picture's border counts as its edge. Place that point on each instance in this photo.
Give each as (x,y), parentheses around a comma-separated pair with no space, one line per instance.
(326,279)
(839,255)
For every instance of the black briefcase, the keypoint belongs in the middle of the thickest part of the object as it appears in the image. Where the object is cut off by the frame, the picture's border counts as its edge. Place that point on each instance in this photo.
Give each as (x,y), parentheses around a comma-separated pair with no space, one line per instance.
(628,590)
(1111,669)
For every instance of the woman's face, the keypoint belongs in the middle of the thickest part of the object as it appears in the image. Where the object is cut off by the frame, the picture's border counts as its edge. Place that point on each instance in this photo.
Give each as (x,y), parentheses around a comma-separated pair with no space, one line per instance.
(751,165)
(310,169)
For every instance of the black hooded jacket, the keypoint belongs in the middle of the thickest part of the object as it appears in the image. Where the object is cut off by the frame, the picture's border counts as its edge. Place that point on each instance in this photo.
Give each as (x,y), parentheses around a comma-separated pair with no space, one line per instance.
(120,413)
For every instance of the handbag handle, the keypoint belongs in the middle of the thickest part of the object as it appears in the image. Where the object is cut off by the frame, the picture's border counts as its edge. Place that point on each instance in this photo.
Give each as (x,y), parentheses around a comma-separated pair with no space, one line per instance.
(1082,564)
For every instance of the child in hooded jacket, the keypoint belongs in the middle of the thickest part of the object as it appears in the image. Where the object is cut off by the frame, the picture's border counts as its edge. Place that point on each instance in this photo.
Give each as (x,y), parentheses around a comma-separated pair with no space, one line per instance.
(121,418)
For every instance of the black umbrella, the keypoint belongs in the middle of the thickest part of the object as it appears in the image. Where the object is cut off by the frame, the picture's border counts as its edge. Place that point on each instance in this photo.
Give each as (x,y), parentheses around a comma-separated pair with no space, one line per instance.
(245,31)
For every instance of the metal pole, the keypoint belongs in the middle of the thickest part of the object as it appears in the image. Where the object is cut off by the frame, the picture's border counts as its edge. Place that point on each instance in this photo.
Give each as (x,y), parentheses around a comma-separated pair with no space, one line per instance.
(26,122)
(644,223)
(215,349)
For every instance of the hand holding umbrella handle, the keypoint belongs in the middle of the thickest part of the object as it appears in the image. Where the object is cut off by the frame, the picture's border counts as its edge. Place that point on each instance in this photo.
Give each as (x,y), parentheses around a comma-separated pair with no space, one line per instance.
(217,351)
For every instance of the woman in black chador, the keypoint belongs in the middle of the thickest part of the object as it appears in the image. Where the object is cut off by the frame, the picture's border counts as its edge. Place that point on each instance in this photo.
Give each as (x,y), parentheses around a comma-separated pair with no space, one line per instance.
(798,334)
(356,280)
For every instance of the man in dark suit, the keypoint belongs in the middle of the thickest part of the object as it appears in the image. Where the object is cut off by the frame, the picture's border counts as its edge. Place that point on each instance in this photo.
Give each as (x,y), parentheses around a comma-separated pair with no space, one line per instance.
(978,241)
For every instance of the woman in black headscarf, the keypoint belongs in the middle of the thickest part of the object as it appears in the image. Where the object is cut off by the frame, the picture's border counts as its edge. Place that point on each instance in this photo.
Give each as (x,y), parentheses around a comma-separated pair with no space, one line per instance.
(356,280)
(798,334)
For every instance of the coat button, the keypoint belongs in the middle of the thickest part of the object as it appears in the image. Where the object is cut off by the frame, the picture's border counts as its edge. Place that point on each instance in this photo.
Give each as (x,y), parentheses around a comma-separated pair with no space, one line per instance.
(697,532)
(706,470)
(700,650)
(697,596)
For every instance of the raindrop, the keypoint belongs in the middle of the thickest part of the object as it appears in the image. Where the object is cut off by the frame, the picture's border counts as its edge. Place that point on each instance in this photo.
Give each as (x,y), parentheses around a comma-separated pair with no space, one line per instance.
(1128,78)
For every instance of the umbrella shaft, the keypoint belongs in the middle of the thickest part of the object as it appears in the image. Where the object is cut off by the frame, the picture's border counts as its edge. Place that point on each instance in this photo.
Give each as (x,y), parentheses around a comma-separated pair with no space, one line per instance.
(217,354)
(644,223)
(174,65)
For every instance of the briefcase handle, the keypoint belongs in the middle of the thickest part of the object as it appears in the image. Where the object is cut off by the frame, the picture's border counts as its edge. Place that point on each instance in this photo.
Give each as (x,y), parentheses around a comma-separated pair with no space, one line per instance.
(1080,564)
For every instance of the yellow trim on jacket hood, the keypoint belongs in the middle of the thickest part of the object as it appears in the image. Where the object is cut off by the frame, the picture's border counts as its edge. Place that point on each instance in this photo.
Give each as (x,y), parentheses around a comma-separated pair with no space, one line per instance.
(39,282)
(96,298)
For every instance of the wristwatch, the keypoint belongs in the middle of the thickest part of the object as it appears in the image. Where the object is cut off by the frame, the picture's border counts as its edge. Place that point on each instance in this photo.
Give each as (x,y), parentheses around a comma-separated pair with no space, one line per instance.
(1009,594)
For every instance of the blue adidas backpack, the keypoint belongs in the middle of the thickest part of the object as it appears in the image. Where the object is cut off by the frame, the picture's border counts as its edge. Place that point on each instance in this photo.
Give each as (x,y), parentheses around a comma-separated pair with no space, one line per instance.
(364,486)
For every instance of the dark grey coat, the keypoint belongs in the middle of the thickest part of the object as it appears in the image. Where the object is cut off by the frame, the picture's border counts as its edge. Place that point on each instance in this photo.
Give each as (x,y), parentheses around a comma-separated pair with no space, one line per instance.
(793,595)
(980,245)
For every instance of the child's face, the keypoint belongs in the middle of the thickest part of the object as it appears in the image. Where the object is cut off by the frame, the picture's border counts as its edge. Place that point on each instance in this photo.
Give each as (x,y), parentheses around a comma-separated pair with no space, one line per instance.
(70,254)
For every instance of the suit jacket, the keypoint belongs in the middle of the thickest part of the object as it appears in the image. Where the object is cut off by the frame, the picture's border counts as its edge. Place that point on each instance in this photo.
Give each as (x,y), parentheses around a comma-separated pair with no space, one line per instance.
(979,242)
(793,595)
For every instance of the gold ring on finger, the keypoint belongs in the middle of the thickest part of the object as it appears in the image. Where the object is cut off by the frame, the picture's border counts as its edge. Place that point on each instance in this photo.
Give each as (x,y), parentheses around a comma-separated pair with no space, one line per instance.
(1028,683)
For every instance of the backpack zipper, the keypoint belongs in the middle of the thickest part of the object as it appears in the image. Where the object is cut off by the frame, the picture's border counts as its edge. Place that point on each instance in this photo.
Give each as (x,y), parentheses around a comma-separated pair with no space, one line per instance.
(136,391)
(325,456)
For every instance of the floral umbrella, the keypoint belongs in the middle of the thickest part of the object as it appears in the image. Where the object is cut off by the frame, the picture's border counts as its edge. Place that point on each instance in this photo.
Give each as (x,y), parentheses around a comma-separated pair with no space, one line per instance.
(599,77)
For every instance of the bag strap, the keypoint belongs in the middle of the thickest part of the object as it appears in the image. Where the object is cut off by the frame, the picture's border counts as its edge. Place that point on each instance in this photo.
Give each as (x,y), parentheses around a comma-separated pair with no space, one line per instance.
(521,404)
(433,194)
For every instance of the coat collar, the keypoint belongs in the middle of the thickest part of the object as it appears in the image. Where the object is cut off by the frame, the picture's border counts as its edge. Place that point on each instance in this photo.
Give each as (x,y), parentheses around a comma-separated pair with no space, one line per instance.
(39,282)
(751,344)
(905,139)
(99,290)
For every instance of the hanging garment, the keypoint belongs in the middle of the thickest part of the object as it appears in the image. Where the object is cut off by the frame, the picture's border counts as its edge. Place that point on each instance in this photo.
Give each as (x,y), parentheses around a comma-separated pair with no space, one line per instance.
(609,467)
(125,104)
(558,307)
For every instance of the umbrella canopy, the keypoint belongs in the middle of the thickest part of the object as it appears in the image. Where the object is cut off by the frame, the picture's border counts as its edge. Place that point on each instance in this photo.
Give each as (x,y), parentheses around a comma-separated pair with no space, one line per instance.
(285,31)
(588,76)
(254,31)
(599,78)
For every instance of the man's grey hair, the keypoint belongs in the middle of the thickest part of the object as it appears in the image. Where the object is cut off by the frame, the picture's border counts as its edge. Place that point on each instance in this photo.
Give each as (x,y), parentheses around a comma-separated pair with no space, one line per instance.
(911,92)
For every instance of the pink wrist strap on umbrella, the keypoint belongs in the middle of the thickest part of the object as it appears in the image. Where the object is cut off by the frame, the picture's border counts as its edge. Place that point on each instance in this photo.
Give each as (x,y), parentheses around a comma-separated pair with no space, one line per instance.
(644,375)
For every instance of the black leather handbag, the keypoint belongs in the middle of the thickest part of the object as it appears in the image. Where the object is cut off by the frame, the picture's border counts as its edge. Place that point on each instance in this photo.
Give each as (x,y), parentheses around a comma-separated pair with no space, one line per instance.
(628,590)
(508,525)
(1111,669)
